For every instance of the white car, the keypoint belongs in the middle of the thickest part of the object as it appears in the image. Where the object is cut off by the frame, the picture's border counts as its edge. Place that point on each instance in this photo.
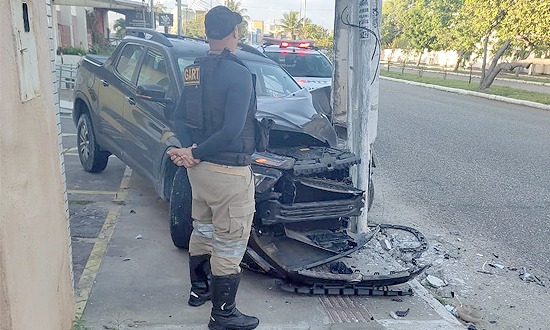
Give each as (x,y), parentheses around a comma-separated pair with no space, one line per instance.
(309,66)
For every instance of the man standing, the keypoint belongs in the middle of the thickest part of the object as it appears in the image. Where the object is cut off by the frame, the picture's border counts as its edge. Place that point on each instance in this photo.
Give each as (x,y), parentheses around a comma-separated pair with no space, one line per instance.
(216,125)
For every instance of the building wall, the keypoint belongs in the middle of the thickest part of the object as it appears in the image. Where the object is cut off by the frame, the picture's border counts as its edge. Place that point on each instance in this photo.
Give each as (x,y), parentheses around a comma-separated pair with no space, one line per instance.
(71,26)
(36,289)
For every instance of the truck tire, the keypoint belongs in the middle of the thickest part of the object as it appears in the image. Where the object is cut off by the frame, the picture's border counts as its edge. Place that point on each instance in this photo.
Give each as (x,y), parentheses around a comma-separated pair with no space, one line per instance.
(181,224)
(92,158)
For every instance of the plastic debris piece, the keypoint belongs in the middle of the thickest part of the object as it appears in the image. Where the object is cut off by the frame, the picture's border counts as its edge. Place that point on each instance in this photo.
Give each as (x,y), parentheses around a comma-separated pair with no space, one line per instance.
(402,313)
(435,281)
(499,266)
(126,259)
(524,275)
(139,237)
(386,244)
(485,272)
(528,277)
(468,313)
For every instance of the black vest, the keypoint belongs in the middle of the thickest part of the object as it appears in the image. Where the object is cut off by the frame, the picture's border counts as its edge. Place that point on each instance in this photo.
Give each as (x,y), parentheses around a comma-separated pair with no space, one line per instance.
(205,110)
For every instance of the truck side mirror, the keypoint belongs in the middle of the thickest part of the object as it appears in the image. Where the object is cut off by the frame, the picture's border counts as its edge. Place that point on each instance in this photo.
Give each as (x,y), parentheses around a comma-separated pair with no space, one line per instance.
(152,92)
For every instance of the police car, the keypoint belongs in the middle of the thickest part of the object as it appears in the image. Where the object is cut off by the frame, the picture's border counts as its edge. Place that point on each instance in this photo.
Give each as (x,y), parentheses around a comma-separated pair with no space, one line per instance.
(309,66)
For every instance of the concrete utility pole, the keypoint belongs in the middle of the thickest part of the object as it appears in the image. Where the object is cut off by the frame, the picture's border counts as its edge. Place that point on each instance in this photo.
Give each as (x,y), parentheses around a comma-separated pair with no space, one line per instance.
(355,86)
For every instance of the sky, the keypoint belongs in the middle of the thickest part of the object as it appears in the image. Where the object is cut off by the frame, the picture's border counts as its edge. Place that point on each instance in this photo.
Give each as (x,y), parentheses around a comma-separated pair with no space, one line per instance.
(320,12)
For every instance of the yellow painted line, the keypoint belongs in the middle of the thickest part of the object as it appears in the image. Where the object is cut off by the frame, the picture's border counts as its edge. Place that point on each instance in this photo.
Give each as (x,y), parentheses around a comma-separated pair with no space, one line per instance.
(86,281)
(90,192)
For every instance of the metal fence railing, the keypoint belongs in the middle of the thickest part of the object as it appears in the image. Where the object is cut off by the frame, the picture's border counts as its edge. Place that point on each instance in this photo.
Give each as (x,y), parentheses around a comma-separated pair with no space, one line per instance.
(66,77)
(66,74)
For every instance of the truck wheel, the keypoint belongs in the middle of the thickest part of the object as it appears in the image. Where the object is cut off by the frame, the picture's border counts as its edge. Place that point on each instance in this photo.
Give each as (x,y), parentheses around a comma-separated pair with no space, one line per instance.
(92,158)
(181,224)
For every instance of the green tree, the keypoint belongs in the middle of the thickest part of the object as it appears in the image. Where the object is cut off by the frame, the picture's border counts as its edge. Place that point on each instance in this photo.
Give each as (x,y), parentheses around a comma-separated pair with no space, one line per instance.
(195,28)
(291,24)
(120,28)
(99,45)
(422,25)
(508,27)
(159,7)
(392,27)
(322,37)
(461,36)
(235,5)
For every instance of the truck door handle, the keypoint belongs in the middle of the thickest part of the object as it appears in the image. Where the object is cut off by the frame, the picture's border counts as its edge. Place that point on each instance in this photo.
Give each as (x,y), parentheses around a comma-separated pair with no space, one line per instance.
(131,100)
(104,82)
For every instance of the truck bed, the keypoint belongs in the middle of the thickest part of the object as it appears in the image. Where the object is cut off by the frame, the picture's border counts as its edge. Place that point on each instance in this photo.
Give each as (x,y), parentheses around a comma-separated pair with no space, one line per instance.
(96,59)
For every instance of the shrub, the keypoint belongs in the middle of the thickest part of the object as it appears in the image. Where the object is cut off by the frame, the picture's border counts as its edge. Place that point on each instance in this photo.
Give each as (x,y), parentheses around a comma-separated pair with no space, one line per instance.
(70,50)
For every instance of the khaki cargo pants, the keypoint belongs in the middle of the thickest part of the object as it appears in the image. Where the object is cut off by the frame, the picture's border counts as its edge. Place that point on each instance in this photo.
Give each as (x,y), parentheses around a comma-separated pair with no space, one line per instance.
(222,210)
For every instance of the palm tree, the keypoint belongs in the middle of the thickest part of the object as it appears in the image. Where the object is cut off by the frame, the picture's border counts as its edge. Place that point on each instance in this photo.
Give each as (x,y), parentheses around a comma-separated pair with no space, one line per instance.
(120,28)
(291,24)
(235,5)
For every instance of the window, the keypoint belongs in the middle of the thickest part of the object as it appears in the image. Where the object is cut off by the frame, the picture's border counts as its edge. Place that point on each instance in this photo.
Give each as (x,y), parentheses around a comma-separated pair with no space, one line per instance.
(302,64)
(128,60)
(183,62)
(271,80)
(154,71)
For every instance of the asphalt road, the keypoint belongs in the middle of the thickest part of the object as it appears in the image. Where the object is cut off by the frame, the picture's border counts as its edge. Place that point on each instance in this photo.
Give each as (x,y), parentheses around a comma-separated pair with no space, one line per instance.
(472,166)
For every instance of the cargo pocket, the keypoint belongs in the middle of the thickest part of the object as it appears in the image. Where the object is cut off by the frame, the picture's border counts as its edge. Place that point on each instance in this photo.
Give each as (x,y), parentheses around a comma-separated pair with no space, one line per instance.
(241,220)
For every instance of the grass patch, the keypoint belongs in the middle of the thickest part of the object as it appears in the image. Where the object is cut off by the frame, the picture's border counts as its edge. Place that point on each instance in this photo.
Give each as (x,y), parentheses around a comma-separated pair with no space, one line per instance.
(78,324)
(79,202)
(441,300)
(514,93)
(475,73)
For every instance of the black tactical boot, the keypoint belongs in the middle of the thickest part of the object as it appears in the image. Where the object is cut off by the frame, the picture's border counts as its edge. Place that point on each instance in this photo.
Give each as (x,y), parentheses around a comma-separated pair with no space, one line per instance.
(225,315)
(199,272)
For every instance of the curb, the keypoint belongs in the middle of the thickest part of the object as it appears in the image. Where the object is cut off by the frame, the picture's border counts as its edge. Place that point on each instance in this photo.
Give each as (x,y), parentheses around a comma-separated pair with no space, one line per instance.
(478,94)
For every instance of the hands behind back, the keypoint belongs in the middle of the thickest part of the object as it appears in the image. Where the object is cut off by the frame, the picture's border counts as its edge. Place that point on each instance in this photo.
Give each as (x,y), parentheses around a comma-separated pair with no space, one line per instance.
(183,156)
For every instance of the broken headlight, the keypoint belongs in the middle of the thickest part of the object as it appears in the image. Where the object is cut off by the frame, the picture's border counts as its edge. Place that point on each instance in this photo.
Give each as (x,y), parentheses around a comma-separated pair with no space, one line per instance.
(265,178)
(267,159)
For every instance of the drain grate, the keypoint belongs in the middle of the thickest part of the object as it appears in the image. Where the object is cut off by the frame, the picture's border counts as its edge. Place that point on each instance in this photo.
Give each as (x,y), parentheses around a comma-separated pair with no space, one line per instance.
(345,309)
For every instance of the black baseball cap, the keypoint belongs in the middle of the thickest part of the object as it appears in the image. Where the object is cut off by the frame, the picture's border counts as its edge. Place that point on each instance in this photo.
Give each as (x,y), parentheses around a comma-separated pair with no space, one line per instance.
(220,21)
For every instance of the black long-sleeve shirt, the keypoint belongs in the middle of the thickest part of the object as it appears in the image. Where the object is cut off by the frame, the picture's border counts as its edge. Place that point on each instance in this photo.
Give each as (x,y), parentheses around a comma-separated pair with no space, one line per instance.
(235,82)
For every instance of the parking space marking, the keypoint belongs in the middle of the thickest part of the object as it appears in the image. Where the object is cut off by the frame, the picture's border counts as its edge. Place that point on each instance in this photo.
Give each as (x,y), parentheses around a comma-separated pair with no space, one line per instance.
(90,192)
(86,281)
(68,134)
(72,149)
(70,154)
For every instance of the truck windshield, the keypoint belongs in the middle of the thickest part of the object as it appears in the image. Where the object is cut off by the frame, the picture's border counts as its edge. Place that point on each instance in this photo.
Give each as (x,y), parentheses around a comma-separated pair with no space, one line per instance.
(271,80)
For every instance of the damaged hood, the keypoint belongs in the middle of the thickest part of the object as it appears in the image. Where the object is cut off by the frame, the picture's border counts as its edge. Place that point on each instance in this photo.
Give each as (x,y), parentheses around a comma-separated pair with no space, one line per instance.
(296,112)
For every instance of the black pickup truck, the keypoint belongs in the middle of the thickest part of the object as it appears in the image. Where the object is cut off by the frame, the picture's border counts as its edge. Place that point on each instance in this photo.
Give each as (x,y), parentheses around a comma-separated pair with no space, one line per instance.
(124,105)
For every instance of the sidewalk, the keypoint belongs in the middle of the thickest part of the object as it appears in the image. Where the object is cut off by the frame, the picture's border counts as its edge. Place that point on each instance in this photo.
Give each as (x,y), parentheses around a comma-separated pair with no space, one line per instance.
(143,283)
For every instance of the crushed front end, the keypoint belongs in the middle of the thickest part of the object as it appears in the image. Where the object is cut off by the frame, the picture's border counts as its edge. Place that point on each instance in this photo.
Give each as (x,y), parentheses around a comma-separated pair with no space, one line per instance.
(305,199)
